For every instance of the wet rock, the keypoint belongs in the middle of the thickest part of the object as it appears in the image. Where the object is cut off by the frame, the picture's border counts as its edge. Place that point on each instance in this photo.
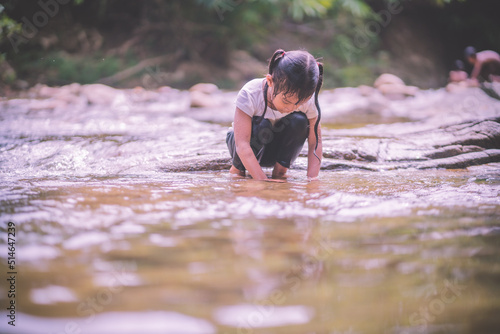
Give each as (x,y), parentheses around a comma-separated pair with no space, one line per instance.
(459,161)
(456,162)
(457,87)
(48,104)
(451,151)
(336,154)
(345,165)
(64,93)
(485,134)
(164,89)
(368,156)
(211,104)
(492,89)
(205,88)
(393,87)
(202,100)
(141,95)
(204,95)
(388,79)
(367,90)
(45,91)
(55,98)
(166,100)
(199,163)
(100,94)
(453,146)
(222,112)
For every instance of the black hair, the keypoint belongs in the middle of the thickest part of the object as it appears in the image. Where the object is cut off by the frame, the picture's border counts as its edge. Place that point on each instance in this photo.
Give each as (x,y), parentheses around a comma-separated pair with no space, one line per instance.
(296,73)
(470,51)
(458,65)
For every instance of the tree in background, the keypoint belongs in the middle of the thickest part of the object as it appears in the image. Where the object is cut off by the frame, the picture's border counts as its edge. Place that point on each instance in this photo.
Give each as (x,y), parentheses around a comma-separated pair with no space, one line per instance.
(7,27)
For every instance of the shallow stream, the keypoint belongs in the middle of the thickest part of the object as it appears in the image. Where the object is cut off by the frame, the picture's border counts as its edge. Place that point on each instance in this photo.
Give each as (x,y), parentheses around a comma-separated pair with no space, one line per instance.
(108,242)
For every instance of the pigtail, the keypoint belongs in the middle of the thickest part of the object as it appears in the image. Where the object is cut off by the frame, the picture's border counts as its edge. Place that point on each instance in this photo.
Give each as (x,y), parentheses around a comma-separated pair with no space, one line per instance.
(278,54)
(266,88)
(316,102)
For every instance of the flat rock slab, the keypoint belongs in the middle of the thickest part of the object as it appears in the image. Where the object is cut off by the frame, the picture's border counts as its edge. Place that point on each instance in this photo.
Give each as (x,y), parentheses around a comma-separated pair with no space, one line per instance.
(465,133)
(452,147)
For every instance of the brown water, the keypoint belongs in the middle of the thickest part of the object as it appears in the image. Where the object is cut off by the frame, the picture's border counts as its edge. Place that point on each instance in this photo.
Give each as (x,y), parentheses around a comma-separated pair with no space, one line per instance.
(107,242)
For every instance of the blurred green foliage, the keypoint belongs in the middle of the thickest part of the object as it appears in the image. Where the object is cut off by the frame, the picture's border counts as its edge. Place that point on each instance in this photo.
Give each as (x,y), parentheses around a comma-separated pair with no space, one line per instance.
(253,21)
(70,69)
(207,31)
(7,25)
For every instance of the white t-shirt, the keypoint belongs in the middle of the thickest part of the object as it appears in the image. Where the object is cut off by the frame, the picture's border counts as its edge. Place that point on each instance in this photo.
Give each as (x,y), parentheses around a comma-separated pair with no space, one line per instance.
(251,101)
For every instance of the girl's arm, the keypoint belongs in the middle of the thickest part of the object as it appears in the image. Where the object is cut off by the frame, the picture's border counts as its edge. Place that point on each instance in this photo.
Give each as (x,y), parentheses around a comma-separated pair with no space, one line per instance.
(313,164)
(242,136)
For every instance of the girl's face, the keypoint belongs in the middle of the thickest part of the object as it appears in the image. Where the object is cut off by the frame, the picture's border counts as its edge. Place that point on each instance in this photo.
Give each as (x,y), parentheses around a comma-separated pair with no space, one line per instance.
(283,103)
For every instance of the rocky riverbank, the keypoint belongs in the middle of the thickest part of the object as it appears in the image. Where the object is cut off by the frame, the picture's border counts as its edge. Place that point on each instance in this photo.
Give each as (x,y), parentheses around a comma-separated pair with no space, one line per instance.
(374,128)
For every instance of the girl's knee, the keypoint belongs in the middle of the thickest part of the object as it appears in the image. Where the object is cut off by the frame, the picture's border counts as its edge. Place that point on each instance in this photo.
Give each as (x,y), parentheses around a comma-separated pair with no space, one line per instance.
(299,118)
(298,123)
(262,133)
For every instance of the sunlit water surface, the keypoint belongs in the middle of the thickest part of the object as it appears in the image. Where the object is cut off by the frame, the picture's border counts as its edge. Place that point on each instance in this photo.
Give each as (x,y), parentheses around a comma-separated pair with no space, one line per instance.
(107,242)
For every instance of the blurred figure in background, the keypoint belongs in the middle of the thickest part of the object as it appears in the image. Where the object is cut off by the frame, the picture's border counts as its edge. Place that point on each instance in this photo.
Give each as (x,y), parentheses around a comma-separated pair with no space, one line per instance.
(458,77)
(458,73)
(486,65)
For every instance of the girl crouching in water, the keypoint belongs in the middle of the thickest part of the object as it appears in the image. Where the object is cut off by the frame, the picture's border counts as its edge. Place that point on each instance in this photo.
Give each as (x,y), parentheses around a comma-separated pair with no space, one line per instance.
(274,117)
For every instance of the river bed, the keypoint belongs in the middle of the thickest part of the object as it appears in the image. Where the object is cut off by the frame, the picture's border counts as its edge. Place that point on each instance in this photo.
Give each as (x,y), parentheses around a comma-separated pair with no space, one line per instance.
(109,241)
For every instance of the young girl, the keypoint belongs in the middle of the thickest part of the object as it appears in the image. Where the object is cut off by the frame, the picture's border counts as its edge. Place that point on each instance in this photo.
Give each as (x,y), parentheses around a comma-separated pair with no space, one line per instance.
(275,115)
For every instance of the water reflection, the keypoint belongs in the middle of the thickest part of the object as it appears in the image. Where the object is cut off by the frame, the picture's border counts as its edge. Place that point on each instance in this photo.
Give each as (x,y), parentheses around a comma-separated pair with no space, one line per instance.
(352,244)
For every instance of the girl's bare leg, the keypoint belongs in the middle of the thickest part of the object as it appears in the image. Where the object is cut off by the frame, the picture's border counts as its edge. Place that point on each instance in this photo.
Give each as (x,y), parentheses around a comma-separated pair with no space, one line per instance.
(279,172)
(236,172)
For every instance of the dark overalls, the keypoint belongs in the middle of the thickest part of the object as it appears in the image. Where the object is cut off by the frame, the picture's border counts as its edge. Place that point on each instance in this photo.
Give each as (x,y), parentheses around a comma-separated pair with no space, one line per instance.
(280,143)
